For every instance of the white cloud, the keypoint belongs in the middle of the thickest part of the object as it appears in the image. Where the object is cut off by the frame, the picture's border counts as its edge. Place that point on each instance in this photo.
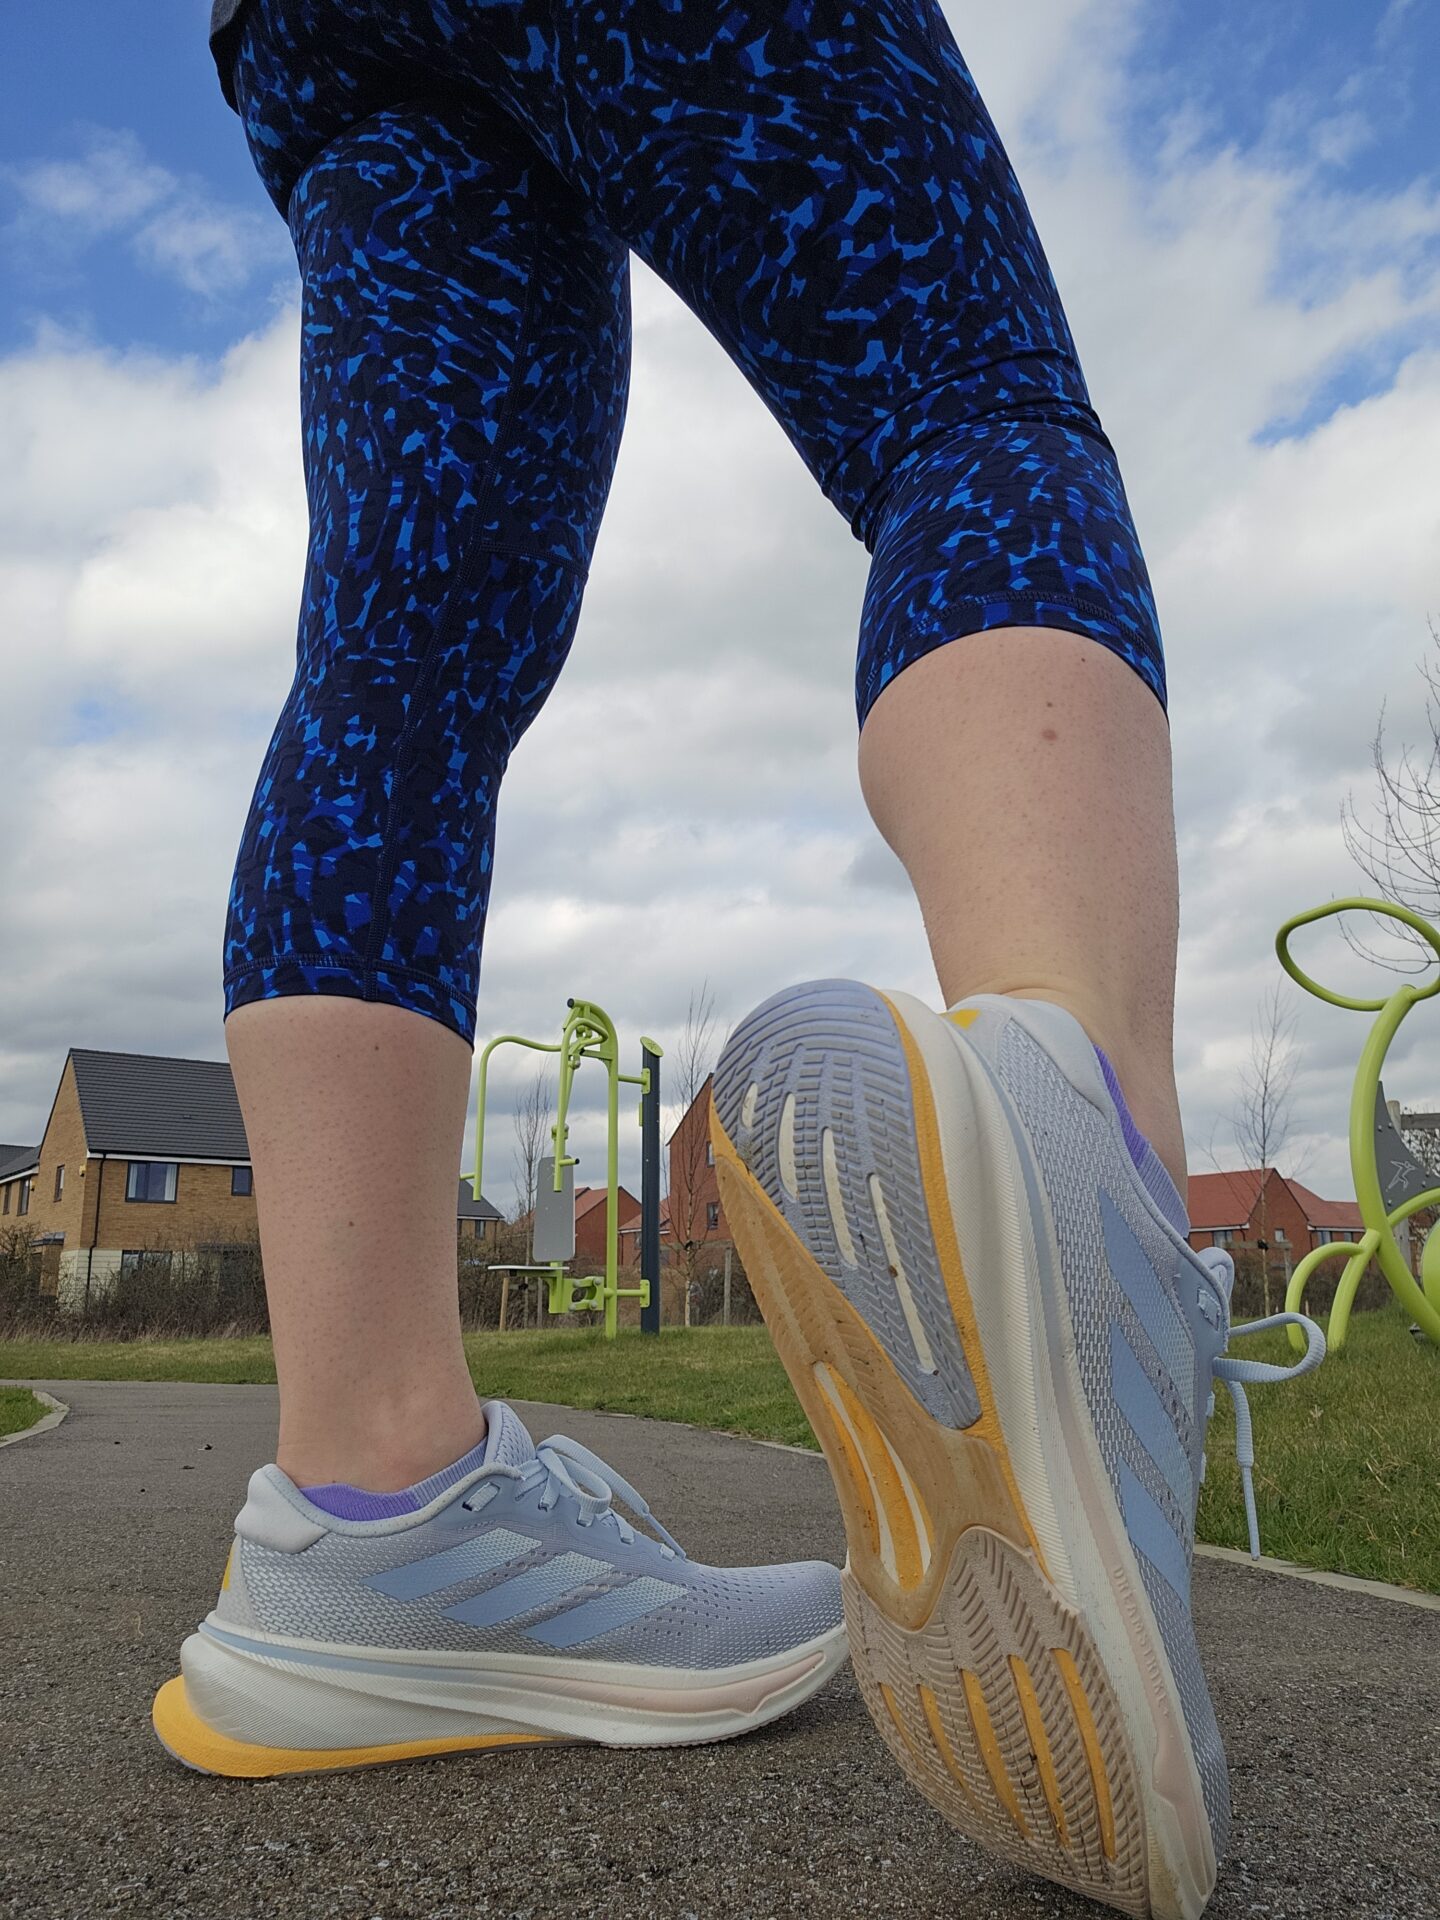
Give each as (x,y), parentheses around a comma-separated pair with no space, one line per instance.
(687,806)
(172,225)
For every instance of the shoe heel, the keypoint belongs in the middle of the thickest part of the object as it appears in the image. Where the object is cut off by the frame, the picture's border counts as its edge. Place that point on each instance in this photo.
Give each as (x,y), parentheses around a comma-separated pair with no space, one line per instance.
(252,1720)
(998,1710)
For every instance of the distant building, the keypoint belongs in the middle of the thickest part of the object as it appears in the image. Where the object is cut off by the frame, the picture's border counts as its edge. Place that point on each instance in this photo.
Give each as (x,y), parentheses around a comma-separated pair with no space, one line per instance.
(143,1154)
(1225,1211)
(696,1214)
(590,1225)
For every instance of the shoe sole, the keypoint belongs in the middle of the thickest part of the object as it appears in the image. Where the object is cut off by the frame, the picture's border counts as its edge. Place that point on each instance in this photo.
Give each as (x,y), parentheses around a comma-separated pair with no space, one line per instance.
(240,1699)
(1003,1644)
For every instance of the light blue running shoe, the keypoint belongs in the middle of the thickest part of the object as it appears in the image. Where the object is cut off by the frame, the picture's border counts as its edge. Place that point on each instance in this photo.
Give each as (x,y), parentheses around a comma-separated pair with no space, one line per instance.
(515,1606)
(976,1273)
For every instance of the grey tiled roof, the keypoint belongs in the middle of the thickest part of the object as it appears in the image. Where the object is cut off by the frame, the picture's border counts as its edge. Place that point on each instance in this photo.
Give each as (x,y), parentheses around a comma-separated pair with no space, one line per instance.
(472,1209)
(152,1107)
(147,1106)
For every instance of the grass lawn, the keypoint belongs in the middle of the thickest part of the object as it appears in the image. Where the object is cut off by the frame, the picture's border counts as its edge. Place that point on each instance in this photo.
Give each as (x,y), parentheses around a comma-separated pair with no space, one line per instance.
(1347,1460)
(19,1409)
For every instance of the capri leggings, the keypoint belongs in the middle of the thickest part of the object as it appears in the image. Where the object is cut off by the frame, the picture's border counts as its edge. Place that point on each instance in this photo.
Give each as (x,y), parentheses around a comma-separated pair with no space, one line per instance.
(463,181)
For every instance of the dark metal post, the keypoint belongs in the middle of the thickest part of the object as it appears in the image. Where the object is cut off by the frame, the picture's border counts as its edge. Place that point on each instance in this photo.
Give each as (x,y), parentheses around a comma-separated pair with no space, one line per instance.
(650,1189)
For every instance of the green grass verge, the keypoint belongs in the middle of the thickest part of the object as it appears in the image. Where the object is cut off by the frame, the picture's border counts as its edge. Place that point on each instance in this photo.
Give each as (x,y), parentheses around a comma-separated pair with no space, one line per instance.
(724,1377)
(19,1409)
(1348,1459)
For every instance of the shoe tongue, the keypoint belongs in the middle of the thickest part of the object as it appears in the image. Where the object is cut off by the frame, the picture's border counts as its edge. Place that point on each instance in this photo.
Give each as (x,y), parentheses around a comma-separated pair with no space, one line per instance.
(507,1443)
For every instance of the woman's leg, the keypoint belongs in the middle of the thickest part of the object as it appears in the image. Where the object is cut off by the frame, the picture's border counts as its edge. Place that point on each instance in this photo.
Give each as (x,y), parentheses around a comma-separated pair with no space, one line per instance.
(464,371)
(1024,781)
(823,186)
(354,1113)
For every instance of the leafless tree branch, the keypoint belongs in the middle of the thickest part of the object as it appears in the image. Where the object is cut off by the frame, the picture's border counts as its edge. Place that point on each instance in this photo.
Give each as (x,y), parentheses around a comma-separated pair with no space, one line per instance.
(1397,846)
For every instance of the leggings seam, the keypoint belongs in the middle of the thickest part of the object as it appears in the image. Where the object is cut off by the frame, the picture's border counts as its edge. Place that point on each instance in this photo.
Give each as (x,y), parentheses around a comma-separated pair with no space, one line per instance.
(341,966)
(474,546)
(1091,607)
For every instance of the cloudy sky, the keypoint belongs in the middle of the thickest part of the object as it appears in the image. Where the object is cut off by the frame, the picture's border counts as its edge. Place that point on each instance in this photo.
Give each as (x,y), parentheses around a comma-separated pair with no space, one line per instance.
(1244,220)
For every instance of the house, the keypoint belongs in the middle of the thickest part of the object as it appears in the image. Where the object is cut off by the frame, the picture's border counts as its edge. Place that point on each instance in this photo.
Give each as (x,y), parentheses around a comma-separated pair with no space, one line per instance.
(696,1213)
(142,1153)
(1225,1211)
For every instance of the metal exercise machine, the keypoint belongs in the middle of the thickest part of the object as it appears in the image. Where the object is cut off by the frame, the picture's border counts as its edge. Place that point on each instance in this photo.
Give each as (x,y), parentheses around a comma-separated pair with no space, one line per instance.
(589,1034)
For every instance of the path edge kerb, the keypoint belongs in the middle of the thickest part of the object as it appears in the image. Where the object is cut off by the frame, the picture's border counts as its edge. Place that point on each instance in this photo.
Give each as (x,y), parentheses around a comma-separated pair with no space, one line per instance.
(57,1413)
(1228,1556)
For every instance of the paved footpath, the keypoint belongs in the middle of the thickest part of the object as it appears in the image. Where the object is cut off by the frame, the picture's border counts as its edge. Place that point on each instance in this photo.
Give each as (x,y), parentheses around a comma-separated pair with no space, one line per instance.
(113,1531)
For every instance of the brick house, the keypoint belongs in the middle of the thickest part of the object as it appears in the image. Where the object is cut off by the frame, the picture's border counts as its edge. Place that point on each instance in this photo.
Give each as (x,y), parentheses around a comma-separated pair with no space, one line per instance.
(696,1213)
(590,1226)
(142,1153)
(1225,1212)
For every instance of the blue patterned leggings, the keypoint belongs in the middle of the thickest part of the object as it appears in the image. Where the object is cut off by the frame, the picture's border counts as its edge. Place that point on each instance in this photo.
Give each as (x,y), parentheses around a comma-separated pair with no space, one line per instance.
(463,180)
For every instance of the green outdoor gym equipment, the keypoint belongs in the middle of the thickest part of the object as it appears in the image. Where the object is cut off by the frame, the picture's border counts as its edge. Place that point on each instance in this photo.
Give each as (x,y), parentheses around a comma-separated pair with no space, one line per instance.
(1390,1183)
(588,1034)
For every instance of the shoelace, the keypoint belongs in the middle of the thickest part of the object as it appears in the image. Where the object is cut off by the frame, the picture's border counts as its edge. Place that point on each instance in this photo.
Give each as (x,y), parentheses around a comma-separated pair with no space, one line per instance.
(1237,1373)
(571,1471)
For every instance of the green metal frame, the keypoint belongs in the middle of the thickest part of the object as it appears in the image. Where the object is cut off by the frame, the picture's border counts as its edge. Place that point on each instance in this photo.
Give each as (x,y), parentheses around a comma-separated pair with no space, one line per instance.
(588,1034)
(1378,1240)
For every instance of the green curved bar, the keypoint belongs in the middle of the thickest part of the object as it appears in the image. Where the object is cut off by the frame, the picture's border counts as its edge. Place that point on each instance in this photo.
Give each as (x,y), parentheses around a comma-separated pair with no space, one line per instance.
(1378,1240)
(1359,1255)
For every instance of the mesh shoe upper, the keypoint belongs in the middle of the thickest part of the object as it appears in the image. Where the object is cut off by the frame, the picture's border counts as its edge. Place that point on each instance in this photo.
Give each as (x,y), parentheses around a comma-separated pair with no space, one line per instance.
(526,1556)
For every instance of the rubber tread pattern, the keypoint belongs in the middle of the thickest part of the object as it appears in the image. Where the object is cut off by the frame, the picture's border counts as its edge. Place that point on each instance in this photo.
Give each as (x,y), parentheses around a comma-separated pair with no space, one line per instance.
(833,1045)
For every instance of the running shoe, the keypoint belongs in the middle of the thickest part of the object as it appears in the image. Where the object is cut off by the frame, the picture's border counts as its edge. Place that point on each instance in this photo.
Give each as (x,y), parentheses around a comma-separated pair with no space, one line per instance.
(513,1605)
(976,1272)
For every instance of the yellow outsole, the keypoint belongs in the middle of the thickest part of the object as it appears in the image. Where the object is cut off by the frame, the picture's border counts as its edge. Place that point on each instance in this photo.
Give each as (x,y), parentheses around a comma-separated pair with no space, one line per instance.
(184,1734)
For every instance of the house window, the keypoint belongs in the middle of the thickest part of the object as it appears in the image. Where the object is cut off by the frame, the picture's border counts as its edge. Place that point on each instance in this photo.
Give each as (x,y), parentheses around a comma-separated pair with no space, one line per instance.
(1280,1239)
(1324,1236)
(1223,1237)
(151,1180)
(59,1182)
(242,1180)
(712,1215)
(135,1259)
(709,1153)
(24,1206)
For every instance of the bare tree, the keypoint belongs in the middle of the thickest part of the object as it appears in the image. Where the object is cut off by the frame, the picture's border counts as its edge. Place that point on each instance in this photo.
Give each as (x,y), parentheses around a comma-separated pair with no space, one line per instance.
(688,1068)
(1397,847)
(1423,1141)
(1262,1111)
(534,1121)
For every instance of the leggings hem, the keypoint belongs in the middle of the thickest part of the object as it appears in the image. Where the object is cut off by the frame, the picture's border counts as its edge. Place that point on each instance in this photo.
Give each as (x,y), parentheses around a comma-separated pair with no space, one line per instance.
(354,980)
(1132,643)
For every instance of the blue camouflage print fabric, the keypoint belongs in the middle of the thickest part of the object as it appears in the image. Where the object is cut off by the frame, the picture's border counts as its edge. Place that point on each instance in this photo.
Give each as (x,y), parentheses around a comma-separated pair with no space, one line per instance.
(463,181)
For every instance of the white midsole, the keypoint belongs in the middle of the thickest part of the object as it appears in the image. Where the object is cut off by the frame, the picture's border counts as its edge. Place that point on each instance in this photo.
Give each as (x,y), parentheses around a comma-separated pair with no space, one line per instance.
(267,1690)
(1041,1407)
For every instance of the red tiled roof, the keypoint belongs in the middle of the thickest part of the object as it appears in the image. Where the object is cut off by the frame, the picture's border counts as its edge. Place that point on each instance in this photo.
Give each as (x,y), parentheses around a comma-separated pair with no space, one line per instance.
(1222,1199)
(588,1198)
(1327,1213)
(1229,1199)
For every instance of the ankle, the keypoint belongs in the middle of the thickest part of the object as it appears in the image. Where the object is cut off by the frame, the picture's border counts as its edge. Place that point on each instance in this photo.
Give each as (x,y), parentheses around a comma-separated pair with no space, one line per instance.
(383,1449)
(1146,1075)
